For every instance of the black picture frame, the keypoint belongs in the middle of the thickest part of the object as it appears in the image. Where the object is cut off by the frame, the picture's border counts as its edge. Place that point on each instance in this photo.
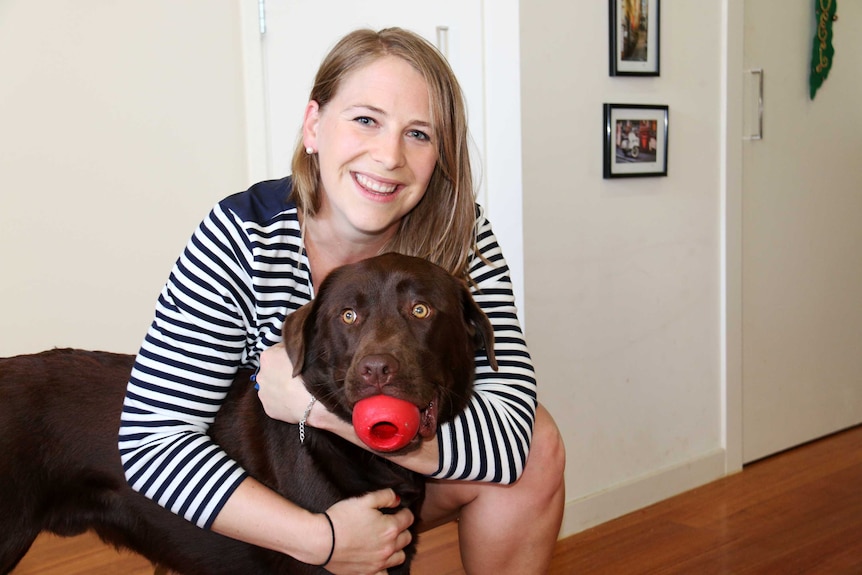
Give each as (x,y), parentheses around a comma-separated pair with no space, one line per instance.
(635,33)
(635,140)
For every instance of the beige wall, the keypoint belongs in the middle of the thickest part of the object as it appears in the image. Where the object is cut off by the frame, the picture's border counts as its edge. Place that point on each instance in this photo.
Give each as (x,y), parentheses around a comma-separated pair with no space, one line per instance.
(623,276)
(121,124)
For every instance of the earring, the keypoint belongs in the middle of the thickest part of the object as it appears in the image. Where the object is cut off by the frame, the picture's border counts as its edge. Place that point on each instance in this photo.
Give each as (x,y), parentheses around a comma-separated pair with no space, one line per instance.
(309,150)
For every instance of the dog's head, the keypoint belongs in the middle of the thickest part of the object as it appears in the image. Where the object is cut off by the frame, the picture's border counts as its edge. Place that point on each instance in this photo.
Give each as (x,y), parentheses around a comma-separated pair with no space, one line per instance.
(393,325)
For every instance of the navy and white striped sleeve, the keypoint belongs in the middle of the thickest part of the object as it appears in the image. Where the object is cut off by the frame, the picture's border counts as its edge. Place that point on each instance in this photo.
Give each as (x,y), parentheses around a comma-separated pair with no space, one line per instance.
(491,439)
(185,366)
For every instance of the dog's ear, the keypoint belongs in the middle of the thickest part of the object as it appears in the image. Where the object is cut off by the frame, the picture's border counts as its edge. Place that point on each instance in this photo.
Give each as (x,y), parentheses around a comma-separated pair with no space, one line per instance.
(293,334)
(482,330)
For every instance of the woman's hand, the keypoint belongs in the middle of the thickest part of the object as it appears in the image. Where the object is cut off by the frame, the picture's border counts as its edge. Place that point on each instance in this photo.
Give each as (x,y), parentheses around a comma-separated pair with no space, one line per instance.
(366,540)
(283,396)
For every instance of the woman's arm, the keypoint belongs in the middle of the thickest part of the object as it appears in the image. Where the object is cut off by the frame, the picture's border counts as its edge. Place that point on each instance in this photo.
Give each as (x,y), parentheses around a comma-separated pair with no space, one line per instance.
(224,302)
(257,515)
(490,440)
(182,374)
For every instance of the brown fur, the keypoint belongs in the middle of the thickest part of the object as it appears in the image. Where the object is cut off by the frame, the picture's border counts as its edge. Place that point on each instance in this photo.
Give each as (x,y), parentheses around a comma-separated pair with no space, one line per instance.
(59,413)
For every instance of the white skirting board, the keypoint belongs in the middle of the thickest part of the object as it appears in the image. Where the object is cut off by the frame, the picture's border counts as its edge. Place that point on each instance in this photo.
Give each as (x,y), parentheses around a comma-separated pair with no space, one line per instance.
(618,500)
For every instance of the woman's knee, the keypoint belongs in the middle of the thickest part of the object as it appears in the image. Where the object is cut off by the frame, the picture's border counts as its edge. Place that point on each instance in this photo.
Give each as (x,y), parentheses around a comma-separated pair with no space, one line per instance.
(542,481)
(547,450)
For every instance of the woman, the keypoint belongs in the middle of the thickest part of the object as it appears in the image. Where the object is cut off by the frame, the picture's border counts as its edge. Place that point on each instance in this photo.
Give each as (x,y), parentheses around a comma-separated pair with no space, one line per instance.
(382,165)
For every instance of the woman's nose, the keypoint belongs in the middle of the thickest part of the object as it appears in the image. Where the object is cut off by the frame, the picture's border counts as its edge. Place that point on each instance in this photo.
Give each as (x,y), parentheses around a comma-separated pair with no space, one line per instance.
(389,150)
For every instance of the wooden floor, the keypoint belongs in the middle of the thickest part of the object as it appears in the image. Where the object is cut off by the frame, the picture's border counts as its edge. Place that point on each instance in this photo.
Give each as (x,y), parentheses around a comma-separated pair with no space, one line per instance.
(797,512)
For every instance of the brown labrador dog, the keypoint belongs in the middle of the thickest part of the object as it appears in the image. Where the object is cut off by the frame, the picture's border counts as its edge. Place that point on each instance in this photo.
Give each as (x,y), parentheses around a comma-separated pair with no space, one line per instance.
(393,324)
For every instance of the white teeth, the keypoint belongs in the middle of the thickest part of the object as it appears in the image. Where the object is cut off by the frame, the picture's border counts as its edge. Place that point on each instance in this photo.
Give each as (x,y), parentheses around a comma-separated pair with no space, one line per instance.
(375,186)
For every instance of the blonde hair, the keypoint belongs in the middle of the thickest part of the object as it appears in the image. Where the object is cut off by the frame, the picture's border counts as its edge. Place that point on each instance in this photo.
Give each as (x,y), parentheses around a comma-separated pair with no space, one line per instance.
(441,228)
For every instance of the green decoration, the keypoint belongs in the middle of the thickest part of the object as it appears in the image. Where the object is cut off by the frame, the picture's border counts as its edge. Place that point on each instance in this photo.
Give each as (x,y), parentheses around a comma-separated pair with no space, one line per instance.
(823,52)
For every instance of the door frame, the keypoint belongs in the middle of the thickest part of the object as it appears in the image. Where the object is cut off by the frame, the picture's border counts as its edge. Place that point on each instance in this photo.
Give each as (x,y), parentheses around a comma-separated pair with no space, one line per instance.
(731,232)
(501,175)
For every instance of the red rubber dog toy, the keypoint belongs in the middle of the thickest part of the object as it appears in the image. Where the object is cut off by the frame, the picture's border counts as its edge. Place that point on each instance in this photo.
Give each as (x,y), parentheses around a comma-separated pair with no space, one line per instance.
(385,423)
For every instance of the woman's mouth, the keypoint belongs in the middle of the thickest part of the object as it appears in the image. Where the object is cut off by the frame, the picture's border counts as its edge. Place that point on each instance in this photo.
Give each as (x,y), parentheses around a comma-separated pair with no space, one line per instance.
(374,186)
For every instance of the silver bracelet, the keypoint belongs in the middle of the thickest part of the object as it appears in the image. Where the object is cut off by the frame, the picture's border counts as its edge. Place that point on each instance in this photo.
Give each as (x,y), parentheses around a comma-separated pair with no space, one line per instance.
(305,418)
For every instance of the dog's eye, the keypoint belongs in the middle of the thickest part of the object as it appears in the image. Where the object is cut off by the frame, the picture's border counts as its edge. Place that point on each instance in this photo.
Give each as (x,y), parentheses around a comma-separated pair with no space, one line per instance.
(421,310)
(348,316)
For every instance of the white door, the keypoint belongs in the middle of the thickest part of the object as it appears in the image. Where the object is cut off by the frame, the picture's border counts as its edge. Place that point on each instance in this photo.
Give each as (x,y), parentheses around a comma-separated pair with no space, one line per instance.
(480,41)
(801,233)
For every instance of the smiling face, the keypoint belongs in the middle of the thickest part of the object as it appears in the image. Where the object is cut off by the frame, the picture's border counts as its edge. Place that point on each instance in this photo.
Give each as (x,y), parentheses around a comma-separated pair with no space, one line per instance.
(376,147)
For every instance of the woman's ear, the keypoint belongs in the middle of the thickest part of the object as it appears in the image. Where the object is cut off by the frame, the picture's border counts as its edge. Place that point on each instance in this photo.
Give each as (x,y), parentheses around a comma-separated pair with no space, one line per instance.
(309,125)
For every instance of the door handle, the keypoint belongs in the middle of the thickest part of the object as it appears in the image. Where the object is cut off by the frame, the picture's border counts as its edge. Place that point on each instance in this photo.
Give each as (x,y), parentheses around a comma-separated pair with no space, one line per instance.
(758,73)
(443,40)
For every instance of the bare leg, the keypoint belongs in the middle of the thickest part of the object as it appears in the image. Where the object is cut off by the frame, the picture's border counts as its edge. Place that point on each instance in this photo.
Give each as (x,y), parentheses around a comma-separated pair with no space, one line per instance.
(507,528)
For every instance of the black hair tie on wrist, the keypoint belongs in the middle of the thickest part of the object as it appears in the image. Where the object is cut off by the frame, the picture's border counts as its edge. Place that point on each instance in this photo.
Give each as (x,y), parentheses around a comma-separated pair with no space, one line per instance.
(332,549)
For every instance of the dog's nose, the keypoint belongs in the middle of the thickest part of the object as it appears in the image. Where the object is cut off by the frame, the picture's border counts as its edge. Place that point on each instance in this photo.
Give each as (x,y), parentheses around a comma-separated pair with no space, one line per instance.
(378,370)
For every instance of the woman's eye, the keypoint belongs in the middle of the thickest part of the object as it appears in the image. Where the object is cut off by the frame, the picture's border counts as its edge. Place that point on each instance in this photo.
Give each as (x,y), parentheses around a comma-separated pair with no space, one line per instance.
(348,316)
(419,135)
(364,120)
(421,311)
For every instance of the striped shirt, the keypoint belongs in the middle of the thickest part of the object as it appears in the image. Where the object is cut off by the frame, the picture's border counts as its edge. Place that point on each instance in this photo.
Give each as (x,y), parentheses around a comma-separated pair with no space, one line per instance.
(242,272)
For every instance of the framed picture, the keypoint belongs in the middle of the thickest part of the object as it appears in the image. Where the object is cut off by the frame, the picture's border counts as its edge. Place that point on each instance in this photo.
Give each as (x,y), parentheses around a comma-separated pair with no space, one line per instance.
(635,140)
(634,37)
